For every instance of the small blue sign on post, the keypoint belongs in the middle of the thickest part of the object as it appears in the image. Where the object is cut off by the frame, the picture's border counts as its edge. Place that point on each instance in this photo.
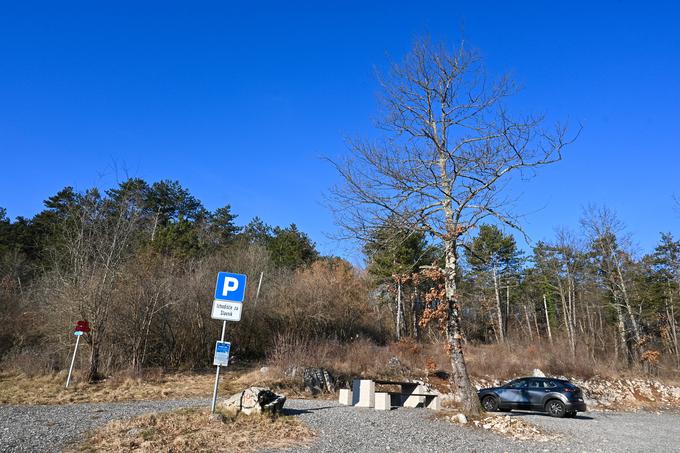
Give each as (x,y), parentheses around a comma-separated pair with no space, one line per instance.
(222,349)
(230,287)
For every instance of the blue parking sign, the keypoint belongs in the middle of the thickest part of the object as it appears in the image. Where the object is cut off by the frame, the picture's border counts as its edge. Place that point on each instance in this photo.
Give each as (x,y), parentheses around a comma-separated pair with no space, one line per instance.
(230,287)
(222,349)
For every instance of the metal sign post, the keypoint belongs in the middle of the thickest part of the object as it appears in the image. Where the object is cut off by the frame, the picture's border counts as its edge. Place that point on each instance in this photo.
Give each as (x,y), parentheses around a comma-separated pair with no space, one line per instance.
(230,291)
(81,328)
(217,374)
(75,350)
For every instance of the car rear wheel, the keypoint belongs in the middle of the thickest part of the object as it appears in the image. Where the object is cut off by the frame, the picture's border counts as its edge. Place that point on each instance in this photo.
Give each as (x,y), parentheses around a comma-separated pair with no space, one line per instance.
(555,408)
(490,404)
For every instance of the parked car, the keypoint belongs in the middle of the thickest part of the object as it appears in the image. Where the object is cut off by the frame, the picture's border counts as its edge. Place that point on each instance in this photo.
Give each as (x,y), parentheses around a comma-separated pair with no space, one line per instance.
(557,397)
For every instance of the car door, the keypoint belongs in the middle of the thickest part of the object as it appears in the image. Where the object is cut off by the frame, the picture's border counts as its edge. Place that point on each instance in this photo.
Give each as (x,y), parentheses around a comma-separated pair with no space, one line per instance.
(514,394)
(536,391)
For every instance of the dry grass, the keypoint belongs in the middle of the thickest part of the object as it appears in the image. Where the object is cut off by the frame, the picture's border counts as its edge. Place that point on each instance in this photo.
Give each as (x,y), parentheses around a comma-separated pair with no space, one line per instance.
(193,430)
(18,388)
(360,358)
(418,360)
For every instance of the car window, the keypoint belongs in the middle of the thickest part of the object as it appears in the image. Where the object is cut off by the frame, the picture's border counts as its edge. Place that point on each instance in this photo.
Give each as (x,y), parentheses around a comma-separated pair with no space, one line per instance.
(535,384)
(518,384)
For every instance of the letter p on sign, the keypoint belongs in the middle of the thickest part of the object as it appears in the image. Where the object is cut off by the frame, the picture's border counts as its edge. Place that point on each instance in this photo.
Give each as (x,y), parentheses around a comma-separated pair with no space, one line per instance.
(230,287)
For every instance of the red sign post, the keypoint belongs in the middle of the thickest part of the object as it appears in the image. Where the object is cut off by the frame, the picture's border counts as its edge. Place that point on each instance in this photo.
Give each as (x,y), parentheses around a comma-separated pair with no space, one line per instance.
(81,328)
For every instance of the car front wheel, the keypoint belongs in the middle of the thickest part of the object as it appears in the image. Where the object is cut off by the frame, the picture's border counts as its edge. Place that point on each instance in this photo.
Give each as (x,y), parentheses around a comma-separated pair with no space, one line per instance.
(555,408)
(490,404)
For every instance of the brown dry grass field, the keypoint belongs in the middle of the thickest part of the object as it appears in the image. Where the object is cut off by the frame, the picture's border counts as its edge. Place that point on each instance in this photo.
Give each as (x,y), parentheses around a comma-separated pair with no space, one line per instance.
(194,430)
(361,358)
(19,388)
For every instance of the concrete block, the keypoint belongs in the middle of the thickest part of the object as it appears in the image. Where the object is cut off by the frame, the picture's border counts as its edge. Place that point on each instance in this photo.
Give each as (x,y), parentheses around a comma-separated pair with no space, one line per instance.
(345,397)
(414,401)
(435,404)
(356,389)
(382,401)
(363,393)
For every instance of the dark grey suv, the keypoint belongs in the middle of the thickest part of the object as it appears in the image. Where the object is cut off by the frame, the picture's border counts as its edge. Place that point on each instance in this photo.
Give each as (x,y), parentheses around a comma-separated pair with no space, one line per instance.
(557,397)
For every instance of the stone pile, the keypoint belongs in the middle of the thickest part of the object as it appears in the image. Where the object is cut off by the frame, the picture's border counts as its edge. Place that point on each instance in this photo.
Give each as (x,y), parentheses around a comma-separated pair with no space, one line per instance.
(508,426)
(318,380)
(617,394)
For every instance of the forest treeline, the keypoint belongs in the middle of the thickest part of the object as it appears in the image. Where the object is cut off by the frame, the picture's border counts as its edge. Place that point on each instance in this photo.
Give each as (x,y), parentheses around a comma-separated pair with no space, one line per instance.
(139,262)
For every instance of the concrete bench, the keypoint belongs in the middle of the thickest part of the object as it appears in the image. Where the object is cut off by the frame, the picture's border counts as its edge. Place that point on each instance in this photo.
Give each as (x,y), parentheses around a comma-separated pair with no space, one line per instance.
(425,399)
(411,394)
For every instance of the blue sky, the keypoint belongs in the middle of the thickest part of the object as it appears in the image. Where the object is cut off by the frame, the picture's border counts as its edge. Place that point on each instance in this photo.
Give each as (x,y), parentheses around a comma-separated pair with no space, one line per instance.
(239,101)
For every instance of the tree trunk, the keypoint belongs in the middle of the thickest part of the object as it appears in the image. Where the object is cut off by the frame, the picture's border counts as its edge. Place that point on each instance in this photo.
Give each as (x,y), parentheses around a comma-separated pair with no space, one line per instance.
(547,318)
(670,314)
(461,379)
(399,310)
(538,332)
(93,374)
(566,311)
(499,310)
(621,329)
(507,309)
(629,310)
(415,311)
(526,314)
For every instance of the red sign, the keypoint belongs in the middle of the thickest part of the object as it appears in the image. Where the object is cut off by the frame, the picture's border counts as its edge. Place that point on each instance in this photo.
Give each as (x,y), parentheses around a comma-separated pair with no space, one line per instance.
(82,326)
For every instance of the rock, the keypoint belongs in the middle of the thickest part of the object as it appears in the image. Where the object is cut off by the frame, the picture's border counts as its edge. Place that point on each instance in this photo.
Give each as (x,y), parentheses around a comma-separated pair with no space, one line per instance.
(254,400)
(511,427)
(318,380)
(396,367)
(394,362)
(538,373)
(264,370)
(461,418)
(133,432)
(292,371)
(217,417)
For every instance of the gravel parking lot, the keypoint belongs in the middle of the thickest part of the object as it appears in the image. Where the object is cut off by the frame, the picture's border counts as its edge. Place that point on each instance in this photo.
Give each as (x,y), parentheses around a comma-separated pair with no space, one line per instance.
(415,430)
(346,429)
(50,428)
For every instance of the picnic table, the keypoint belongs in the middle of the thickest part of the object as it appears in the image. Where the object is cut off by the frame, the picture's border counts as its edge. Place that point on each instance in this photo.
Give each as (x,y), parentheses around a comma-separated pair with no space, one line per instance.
(410,394)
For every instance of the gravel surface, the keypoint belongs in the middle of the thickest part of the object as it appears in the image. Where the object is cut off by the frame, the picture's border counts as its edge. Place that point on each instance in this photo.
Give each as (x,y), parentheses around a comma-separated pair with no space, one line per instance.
(50,428)
(347,429)
(613,431)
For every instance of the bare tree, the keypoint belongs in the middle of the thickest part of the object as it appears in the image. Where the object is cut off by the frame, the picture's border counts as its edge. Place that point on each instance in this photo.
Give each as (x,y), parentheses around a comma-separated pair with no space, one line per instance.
(604,230)
(450,151)
(95,238)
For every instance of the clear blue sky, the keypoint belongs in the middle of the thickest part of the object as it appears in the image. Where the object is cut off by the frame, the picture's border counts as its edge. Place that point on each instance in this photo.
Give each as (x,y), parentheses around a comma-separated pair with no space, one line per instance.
(239,102)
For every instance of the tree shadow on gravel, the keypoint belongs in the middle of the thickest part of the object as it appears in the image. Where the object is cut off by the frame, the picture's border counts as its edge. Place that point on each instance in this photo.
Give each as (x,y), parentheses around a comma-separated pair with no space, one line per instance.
(287,411)
(540,414)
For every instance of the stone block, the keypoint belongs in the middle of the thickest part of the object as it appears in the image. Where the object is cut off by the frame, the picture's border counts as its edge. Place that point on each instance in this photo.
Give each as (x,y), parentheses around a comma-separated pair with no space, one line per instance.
(363,393)
(435,404)
(415,401)
(345,397)
(382,401)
